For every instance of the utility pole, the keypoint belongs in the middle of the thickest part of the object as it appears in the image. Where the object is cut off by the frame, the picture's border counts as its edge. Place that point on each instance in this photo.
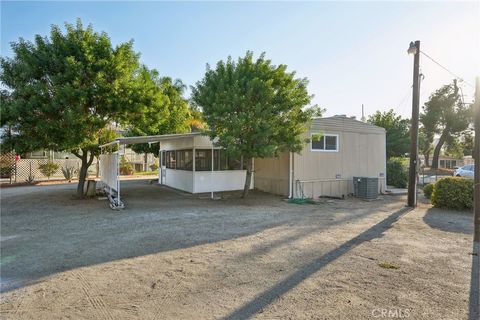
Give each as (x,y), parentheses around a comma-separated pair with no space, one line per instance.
(363,114)
(476,156)
(412,173)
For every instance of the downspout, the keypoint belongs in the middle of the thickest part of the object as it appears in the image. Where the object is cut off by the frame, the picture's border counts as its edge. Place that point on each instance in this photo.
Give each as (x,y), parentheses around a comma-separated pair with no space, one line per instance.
(290,176)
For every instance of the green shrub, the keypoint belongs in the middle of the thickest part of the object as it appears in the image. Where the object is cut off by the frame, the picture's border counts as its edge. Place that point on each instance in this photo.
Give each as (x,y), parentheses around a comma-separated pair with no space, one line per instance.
(428,190)
(453,193)
(6,172)
(48,169)
(30,179)
(7,165)
(126,168)
(68,173)
(154,167)
(397,172)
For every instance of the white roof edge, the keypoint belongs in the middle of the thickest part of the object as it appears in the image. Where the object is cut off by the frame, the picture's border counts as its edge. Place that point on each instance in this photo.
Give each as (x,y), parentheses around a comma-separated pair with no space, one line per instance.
(146,139)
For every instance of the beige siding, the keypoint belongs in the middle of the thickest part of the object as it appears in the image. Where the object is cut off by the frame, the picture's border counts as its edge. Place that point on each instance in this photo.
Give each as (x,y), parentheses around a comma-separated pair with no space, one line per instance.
(361,152)
(271,174)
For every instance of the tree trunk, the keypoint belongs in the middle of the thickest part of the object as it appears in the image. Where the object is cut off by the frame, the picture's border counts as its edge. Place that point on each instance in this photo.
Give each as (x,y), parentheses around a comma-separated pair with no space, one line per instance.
(86,162)
(427,158)
(97,167)
(438,148)
(82,176)
(145,162)
(248,178)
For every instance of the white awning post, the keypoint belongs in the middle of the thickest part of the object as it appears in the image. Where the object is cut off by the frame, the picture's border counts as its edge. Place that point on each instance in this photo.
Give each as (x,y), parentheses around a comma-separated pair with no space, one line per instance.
(160,162)
(211,178)
(118,174)
(194,166)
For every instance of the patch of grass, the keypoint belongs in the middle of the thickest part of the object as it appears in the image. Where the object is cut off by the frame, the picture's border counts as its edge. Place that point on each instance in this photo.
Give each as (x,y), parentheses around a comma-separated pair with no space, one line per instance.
(146,173)
(301,201)
(388,265)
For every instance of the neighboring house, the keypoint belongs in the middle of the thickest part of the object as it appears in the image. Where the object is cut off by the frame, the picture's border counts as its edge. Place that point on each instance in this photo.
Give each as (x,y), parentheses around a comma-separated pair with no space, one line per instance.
(347,148)
(445,162)
(49,154)
(468,160)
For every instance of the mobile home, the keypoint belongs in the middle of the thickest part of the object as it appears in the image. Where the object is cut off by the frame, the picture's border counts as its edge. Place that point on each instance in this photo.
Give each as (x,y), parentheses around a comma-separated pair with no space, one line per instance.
(338,149)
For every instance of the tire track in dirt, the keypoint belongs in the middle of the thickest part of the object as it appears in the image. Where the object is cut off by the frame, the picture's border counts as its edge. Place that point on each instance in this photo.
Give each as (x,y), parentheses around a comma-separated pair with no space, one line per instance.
(90,293)
(166,297)
(17,304)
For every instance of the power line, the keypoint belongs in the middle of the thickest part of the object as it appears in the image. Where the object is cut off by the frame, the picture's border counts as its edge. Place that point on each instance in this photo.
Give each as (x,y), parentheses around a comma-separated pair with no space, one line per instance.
(444,68)
(405,98)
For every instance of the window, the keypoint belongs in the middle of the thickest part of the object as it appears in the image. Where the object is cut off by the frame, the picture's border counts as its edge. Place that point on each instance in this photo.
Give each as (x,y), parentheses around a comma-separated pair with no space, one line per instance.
(448,164)
(324,142)
(235,163)
(171,160)
(164,158)
(203,160)
(185,160)
(41,153)
(223,162)
(220,160)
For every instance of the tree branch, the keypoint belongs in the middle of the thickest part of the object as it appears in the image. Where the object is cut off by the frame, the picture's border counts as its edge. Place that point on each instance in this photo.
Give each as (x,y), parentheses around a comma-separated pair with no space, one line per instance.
(92,155)
(76,154)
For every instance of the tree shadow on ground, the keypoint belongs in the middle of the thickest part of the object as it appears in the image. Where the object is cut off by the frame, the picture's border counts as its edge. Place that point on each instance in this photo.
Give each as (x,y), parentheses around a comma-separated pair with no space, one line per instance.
(449,220)
(44,232)
(269,246)
(269,296)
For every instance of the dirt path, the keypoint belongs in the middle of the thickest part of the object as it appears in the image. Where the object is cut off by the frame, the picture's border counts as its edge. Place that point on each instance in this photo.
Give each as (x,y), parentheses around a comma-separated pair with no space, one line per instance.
(173,256)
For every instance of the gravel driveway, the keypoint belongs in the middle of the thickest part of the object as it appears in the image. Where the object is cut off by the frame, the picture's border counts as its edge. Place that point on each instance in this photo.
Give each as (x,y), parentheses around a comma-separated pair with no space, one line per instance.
(171,255)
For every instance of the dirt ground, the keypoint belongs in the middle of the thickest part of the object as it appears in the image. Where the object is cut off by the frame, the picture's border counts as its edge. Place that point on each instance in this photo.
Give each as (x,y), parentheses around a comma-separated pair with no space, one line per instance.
(170,255)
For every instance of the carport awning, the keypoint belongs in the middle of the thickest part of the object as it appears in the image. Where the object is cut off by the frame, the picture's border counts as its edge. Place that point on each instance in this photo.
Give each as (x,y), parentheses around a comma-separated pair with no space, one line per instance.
(151,139)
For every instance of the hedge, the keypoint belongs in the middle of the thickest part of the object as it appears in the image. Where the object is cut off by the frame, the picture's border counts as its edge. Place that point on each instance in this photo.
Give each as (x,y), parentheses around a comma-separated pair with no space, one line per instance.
(428,190)
(453,193)
(397,172)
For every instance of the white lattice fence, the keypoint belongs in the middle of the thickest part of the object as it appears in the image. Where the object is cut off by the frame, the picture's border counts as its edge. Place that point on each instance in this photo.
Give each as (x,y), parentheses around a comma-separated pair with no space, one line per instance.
(23,168)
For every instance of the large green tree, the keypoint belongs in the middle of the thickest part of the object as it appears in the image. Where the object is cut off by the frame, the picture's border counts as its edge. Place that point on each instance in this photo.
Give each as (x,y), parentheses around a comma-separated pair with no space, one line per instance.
(397,131)
(62,91)
(425,141)
(460,145)
(445,115)
(467,143)
(163,109)
(254,108)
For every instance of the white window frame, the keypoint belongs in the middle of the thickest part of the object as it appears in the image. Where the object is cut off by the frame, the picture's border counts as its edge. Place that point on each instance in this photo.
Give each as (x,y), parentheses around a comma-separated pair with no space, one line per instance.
(324,141)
